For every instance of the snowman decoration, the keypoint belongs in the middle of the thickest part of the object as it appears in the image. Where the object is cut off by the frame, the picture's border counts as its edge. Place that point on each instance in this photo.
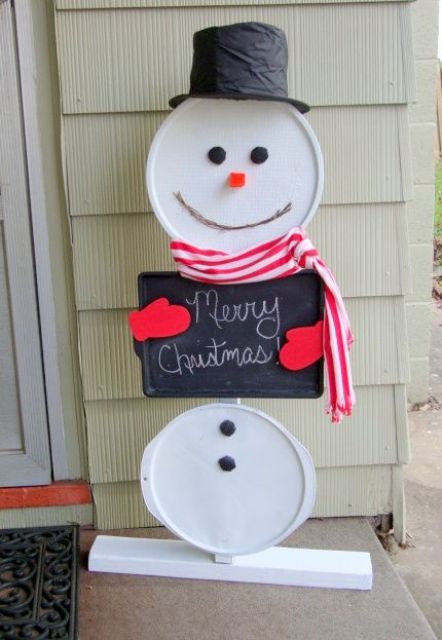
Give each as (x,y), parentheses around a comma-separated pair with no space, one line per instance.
(234,174)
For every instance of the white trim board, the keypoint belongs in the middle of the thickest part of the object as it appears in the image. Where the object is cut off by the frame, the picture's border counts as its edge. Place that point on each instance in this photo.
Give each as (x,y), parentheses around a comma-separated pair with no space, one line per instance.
(33,45)
(277,565)
(32,464)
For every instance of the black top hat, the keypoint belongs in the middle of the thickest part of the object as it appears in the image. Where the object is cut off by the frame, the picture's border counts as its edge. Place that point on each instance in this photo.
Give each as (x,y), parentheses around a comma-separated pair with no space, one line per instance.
(245,61)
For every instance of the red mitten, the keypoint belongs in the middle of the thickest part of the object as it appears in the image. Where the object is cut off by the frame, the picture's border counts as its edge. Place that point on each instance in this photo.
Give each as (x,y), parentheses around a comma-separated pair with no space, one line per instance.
(159,319)
(304,346)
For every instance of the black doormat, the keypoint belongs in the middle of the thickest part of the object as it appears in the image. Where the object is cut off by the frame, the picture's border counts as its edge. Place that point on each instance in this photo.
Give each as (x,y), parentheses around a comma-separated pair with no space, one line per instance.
(39,583)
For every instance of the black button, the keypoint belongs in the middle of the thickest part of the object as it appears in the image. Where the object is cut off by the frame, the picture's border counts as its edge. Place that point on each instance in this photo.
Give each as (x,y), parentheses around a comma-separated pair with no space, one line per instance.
(259,155)
(217,155)
(227,463)
(227,428)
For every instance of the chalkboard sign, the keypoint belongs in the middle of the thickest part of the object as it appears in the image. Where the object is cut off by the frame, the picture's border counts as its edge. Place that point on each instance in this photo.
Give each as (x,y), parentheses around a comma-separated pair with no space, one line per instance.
(231,347)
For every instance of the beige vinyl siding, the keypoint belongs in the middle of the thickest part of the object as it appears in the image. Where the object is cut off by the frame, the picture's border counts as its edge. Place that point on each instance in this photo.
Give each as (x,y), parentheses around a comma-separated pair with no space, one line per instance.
(366,154)
(118,425)
(111,369)
(46,516)
(344,491)
(119,65)
(109,59)
(142,4)
(110,251)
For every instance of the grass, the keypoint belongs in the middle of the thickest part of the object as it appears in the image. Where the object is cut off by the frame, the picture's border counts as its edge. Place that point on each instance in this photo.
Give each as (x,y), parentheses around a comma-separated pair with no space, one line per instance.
(438,203)
(437,256)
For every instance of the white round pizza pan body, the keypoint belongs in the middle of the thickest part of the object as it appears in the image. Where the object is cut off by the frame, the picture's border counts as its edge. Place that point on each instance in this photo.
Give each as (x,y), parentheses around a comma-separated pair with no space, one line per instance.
(268,494)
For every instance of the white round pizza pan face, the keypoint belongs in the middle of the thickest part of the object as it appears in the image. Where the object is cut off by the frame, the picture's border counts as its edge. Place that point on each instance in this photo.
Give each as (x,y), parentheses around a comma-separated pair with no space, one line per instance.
(178,162)
(268,494)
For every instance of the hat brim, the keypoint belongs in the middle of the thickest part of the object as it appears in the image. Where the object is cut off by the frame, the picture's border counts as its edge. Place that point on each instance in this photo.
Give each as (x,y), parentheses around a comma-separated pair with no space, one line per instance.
(302,107)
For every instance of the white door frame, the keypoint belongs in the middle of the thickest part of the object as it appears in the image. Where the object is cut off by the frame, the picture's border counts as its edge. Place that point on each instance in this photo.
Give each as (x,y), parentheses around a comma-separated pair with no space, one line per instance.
(31,465)
(40,120)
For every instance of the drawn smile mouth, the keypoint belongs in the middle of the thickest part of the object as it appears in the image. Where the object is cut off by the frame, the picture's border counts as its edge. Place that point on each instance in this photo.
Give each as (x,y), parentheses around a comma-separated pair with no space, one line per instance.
(227,227)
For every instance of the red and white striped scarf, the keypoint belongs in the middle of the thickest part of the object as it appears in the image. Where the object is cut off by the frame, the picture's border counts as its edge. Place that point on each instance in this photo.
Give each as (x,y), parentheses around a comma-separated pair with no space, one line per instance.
(279,258)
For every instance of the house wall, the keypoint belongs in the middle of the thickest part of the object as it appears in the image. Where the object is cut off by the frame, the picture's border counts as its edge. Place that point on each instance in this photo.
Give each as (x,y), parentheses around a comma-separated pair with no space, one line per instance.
(353,62)
(422,119)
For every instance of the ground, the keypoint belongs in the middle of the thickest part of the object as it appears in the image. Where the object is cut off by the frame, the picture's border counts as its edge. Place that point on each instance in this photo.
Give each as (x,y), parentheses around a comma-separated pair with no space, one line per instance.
(438,207)
(438,203)
(420,563)
(437,281)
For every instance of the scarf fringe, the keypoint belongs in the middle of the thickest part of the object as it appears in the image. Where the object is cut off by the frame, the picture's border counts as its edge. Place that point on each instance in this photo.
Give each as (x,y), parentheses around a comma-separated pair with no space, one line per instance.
(337,412)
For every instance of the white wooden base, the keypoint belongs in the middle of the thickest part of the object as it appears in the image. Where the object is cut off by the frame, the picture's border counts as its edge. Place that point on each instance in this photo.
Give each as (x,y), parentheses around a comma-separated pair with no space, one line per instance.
(277,565)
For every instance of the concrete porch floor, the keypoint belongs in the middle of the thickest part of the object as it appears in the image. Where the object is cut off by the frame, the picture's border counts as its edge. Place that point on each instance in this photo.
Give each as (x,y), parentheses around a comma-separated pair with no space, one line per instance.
(121,607)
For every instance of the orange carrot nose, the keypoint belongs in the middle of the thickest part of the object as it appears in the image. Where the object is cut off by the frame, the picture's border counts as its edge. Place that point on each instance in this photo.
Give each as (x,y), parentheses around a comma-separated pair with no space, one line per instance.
(237,179)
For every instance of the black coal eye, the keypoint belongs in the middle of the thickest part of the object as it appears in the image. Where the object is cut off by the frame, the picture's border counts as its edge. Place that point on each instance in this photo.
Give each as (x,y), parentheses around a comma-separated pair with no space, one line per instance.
(259,155)
(217,155)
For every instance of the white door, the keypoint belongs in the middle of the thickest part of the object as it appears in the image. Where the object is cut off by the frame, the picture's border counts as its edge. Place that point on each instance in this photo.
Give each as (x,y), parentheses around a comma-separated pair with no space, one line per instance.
(24,439)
